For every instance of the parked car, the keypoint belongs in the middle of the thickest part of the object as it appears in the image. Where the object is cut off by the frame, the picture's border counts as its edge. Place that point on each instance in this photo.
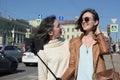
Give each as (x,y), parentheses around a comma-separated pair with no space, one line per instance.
(12,50)
(0,47)
(29,58)
(8,63)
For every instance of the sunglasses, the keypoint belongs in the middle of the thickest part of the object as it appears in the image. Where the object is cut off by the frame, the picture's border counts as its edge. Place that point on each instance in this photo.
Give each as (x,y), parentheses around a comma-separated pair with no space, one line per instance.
(86,19)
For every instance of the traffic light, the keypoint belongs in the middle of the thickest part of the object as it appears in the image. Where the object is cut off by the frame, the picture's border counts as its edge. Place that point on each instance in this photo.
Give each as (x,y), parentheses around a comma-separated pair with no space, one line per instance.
(108,29)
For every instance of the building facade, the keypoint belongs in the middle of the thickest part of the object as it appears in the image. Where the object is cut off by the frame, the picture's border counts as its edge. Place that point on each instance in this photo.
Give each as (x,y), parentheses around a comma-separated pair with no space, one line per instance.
(12,31)
(35,22)
(69,30)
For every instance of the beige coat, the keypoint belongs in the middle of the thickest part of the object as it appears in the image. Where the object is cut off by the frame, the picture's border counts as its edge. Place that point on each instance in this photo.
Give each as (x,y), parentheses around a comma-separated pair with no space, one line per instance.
(56,55)
(100,47)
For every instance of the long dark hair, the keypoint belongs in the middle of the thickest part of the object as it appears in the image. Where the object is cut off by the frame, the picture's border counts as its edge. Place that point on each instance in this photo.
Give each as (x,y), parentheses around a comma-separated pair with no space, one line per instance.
(95,17)
(43,29)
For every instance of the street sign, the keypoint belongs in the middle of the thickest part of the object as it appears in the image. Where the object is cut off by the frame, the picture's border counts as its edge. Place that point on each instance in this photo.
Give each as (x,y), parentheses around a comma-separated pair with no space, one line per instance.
(40,16)
(114,20)
(27,35)
(61,18)
(113,27)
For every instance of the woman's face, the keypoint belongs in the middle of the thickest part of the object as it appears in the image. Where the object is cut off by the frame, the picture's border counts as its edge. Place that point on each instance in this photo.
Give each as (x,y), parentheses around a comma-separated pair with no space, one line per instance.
(57,30)
(88,21)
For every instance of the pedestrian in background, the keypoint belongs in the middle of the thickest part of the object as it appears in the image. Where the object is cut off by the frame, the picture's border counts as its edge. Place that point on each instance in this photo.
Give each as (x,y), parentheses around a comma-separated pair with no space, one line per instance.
(56,49)
(113,47)
(87,49)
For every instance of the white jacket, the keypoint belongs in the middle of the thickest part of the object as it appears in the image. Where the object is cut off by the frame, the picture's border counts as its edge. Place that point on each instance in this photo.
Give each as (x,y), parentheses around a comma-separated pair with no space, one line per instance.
(56,55)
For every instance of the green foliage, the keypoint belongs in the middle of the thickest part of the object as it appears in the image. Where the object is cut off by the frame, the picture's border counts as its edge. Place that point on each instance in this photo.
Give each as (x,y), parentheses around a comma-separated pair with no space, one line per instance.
(9,40)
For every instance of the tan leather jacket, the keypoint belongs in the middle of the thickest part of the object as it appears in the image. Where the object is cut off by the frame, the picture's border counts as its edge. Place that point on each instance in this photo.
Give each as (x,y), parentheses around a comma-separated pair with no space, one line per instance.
(100,47)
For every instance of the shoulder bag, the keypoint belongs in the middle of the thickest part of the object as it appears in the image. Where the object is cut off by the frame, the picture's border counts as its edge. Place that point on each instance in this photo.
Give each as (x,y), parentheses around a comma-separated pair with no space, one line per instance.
(108,74)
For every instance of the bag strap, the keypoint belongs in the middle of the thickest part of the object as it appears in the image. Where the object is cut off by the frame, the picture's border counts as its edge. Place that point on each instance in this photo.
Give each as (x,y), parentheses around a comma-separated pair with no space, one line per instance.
(48,68)
(46,65)
(111,58)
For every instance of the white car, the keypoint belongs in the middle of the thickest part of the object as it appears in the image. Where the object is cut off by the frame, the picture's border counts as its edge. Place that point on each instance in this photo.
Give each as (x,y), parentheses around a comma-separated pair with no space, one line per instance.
(29,58)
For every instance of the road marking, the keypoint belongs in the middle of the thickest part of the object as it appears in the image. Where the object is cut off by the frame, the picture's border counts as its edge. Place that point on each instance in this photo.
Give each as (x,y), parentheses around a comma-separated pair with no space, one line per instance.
(28,77)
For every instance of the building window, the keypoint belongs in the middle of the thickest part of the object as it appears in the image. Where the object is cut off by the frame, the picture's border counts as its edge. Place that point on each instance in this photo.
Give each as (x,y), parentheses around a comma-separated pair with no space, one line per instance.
(38,21)
(72,29)
(67,36)
(72,36)
(67,29)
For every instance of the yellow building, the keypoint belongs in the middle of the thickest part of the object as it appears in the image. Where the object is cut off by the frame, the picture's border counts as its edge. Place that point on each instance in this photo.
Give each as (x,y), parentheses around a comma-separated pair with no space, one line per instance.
(69,30)
(35,22)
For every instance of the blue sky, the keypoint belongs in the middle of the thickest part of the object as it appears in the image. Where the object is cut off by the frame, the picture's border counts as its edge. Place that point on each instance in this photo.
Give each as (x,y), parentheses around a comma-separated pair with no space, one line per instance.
(30,9)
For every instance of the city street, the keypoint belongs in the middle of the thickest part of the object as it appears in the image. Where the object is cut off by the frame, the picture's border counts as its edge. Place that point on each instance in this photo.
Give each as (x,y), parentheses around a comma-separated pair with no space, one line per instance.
(31,73)
(23,73)
(49,29)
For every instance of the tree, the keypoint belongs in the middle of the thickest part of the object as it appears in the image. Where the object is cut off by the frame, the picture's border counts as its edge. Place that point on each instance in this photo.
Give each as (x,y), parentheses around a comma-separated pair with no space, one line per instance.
(9,40)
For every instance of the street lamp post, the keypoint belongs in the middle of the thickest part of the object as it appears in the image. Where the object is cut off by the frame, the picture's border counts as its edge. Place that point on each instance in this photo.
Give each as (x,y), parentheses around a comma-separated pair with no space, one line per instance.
(13,35)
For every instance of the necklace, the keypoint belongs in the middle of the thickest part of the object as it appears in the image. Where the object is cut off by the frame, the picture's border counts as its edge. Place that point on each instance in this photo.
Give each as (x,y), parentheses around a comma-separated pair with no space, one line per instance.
(87,51)
(88,42)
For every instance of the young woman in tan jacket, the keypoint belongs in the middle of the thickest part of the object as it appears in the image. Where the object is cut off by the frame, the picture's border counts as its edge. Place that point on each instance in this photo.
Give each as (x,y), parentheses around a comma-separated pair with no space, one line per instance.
(87,49)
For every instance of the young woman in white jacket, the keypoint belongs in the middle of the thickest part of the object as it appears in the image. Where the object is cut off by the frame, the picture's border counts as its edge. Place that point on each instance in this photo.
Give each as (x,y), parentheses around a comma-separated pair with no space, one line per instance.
(55,51)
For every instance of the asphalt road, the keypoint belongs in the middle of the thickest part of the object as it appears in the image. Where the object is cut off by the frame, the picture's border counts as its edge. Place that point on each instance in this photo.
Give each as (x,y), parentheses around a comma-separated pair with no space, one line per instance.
(22,73)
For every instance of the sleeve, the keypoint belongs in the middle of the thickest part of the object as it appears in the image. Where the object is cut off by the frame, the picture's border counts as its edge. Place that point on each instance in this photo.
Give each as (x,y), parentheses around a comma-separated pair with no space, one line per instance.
(42,70)
(69,73)
(104,44)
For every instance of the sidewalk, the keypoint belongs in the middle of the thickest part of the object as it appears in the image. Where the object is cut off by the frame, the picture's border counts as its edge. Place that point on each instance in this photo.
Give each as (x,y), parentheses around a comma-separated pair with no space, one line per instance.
(116,61)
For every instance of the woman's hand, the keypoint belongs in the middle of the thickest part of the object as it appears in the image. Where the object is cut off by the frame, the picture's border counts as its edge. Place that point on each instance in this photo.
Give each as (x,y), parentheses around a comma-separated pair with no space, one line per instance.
(98,30)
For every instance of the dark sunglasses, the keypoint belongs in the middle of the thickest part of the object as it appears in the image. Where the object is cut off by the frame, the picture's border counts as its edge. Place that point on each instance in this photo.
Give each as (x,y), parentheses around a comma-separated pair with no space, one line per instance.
(86,19)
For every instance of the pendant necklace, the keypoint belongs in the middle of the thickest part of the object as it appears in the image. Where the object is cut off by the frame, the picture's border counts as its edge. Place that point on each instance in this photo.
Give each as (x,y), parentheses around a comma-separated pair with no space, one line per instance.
(87,51)
(88,43)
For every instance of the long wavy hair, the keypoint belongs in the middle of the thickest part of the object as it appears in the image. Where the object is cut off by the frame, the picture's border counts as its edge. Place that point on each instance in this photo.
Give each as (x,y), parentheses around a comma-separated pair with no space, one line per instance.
(46,25)
(95,17)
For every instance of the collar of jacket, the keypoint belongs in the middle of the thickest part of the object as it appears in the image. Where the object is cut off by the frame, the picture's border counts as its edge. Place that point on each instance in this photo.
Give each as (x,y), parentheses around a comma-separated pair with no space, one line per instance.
(55,43)
(94,37)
